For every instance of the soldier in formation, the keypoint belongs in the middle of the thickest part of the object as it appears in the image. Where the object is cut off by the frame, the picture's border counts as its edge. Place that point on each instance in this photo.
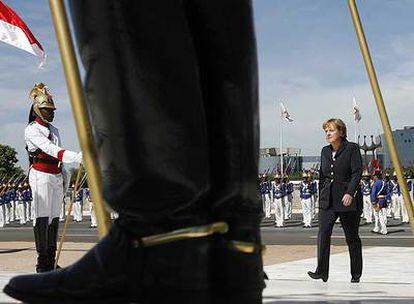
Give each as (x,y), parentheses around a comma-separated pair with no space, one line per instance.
(288,199)
(265,188)
(366,186)
(279,193)
(380,198)
(306,192)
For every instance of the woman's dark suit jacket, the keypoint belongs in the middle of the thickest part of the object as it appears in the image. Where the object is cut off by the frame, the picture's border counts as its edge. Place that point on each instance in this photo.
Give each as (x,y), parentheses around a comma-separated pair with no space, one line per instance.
(340,175)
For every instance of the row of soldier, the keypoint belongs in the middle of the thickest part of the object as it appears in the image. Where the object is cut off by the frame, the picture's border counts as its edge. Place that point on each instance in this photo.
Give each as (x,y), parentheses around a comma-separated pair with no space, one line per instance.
(277,194)
(383,199)
(16,204)
(82,196)
(277,198)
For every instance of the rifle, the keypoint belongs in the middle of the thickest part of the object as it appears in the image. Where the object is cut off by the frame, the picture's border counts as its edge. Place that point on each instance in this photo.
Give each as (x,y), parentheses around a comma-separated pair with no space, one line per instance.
(17,180)
(8,184)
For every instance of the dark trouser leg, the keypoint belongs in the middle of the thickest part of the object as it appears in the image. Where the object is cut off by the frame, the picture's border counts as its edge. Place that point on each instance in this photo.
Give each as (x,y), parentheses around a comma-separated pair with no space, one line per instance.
(147,112)
(148,119)
(52,234)
(327,220)
(40,235)
(223,35)
(350,224)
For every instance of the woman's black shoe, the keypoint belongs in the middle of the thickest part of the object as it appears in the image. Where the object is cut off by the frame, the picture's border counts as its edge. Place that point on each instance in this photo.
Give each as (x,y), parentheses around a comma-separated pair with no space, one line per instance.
(355,280)
(317,276)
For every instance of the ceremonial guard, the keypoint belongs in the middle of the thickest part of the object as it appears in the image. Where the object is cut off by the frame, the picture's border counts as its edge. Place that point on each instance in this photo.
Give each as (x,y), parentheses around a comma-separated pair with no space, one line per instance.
(2,207)
(387,179)
(279,191)
(7,203)
(265,190)
(27,198)
(63,209)
(77,206)
(289,197)
(11,195)
(14,214)
(47,176)
(20,205)
(314,192)
(306,200)
(405,219)
(380,197)
(396,200)
(366,196)
(88,196)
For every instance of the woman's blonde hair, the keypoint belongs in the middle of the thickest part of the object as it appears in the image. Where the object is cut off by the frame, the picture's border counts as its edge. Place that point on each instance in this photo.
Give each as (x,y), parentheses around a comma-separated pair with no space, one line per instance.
(338,124)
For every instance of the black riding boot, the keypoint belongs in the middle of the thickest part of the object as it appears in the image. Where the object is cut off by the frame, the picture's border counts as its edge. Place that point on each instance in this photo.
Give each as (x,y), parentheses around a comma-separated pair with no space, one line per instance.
(40,234)
(52,236)
(224,37)
(148,119)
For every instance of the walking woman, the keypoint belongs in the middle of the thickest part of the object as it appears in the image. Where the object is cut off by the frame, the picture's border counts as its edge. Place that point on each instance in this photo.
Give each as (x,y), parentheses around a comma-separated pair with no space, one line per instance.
(339,197)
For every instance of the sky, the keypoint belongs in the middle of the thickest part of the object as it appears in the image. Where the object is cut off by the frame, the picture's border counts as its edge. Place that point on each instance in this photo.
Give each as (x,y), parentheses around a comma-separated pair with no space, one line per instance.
(308,56)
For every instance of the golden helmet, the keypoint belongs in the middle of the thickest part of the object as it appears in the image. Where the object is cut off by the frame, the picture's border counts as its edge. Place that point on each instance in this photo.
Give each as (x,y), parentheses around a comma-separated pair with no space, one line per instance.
(304,174)
(41,98)
(365,173)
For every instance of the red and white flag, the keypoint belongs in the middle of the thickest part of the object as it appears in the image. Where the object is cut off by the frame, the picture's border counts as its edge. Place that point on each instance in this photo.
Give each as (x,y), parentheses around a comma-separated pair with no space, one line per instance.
(15,32)
(284,113)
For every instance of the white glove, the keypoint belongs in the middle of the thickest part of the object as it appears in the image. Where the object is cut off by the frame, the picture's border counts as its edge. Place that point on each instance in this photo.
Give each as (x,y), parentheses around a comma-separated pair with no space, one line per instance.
(71,157)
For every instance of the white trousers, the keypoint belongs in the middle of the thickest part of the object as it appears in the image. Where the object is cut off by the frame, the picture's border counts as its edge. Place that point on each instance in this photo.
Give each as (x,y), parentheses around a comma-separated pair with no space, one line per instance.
(279,211)
(396,206)
(77,211)
(380,220)
(2,215)
(93,215)
(288,206)
(307,211)
(368,213)
(13,215)
(8,213)
(28,210)
(21,212)
(47,191)
(404,212)
(267,204)
(63,211)
(314,205)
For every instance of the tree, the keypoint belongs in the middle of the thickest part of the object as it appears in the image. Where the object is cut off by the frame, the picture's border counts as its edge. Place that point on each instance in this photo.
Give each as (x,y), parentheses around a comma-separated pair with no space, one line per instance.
(8,162)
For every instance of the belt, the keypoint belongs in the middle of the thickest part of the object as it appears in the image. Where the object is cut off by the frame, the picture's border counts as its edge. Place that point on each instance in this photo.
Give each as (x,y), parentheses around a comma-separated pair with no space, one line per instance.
(45,161)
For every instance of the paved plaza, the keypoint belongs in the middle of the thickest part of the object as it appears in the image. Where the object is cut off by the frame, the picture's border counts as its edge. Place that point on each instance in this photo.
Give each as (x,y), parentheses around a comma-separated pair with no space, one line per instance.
(387,278)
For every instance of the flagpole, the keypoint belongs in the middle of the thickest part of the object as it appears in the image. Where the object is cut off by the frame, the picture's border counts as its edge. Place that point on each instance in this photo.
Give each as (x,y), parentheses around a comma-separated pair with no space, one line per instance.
(281,143)
(355,136)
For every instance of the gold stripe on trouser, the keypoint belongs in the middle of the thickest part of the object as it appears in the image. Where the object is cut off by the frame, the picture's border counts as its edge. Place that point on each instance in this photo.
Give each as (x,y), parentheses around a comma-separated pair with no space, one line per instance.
(246,247)
(182,234)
